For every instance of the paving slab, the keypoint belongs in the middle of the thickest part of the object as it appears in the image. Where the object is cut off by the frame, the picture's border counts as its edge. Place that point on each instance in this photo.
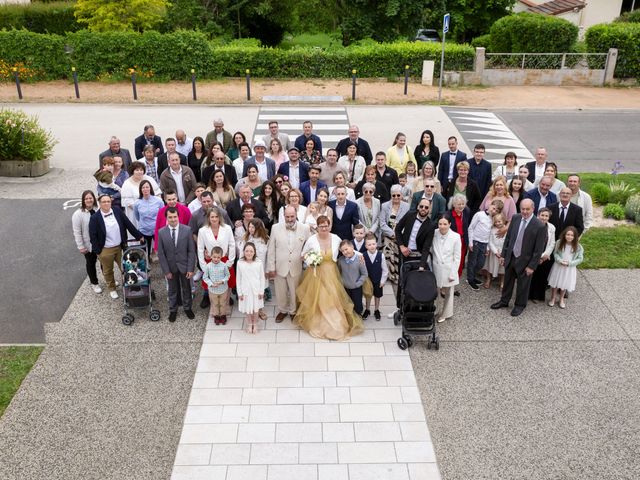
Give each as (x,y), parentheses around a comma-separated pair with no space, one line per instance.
(619,292)
(533,410)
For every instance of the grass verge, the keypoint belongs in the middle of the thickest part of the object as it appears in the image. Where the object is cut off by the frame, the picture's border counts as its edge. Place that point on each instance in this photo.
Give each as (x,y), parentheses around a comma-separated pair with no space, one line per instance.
(617,247)
(15,364)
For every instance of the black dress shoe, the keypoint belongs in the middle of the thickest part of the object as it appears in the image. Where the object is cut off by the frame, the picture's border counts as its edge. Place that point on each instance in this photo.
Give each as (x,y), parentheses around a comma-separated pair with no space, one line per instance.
(498,305)
(365,314)
(456,293)
(190,315)
(205,303)
(517,311)
(173,316)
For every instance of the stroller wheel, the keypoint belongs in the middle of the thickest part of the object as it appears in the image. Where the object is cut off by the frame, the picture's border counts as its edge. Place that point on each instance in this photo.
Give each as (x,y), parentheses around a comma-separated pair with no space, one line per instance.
(429,345)
(396,318)
(127,319)
(402,344)
(154,315)
(153,295)
(437,343)
(408,339)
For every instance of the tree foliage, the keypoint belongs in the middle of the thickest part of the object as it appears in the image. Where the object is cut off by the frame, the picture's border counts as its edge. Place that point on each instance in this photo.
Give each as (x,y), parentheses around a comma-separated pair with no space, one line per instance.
(469,19)
(120,15)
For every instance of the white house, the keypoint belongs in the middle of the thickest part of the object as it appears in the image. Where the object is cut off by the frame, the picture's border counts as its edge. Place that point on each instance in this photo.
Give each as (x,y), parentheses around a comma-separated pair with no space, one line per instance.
(583,13)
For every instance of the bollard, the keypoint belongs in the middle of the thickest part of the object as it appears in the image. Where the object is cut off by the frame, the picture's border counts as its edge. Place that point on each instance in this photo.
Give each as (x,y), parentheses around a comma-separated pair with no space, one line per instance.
(248,72)
(16,75)
(406,79)
(75,81)
(133,84)
(353,84)
(193,84)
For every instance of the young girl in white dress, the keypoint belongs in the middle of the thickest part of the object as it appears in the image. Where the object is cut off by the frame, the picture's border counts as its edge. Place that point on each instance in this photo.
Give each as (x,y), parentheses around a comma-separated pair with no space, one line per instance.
(311,216)
(567,255)
(492,263)
(250,286)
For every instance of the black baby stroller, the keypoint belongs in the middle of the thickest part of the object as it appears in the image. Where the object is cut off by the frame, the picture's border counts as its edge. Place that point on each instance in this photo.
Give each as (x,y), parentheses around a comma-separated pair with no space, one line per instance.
(136,285)
(416,312)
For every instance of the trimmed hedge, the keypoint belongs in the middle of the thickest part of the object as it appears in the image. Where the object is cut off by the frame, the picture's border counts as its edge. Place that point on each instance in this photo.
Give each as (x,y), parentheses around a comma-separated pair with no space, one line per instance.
(171,56)
(532,33)
(621,35)
(54,17)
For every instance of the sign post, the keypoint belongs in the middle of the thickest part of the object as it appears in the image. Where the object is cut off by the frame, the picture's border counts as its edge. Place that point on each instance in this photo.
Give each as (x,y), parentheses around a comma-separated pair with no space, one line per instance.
(445,29)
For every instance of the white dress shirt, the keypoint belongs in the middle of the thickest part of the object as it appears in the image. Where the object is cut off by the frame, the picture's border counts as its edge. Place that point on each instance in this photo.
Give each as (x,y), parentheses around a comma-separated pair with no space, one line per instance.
(177,177)
(184,148)
(112,228)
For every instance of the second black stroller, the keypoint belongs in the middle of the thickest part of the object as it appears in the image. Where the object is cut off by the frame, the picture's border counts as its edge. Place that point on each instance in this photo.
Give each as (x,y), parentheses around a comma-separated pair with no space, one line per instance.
(416,311)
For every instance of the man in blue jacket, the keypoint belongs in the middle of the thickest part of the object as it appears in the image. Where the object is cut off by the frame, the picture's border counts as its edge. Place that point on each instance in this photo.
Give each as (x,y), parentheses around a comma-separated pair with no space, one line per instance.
(480,170)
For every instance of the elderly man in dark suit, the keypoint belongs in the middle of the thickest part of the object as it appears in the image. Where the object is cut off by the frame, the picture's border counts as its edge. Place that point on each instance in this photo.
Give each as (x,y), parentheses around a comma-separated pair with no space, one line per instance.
(362,146)
(219,164)
(114,150)
(542,196)
(177,256)
(149,137)
(524,243)
(345,214)
(234,208)
(566,214)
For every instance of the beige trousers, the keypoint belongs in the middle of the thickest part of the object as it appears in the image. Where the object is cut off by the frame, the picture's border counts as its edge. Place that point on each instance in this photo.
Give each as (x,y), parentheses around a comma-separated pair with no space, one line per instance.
(286,293)
(107,257)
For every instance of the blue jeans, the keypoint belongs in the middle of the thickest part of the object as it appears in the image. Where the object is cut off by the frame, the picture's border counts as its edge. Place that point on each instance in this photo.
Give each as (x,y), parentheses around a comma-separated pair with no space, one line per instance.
(475,261)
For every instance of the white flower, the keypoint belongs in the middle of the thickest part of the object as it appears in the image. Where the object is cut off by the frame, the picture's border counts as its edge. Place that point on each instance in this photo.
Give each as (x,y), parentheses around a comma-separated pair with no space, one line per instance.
(313,258)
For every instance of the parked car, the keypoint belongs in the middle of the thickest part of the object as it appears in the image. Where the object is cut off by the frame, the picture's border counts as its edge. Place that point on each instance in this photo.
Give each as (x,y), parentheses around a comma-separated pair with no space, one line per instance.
(427,35)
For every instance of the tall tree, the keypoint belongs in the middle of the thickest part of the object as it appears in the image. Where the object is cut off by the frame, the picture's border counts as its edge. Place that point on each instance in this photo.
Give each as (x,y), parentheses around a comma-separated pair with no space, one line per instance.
(120,15)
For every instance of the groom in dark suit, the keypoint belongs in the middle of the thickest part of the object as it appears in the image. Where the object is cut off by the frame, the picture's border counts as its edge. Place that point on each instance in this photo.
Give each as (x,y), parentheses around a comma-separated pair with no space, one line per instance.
(447,171)
(177,256)
(523,246)
(345,214)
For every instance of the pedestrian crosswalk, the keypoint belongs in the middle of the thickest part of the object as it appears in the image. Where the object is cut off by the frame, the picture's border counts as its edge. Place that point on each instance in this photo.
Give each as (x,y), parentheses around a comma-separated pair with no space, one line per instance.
(486,128)
(329,123)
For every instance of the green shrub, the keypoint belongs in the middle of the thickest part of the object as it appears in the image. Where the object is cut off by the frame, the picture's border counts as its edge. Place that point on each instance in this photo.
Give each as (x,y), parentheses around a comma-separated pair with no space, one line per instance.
(632,207)
(620,192)
(600,193)
(532,33)
(171,56)
(22,137)
(482,41)
(614,210)
(623,36)
(631,17)
(54,17)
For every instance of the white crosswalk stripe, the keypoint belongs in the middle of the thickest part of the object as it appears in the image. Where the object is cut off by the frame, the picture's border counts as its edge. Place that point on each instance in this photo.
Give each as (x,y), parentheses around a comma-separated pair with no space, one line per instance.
(329,123)
(488,129)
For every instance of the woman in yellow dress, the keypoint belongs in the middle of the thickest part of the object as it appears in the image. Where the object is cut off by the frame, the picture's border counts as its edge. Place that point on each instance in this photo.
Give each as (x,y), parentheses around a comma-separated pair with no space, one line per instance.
(325,310)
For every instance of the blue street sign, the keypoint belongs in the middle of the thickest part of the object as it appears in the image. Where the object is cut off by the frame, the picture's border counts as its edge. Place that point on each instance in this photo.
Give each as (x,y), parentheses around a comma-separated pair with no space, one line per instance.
(445,23)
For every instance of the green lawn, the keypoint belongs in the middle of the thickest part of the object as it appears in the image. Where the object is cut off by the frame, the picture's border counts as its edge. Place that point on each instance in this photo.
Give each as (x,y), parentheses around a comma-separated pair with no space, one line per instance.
(617,247)
(588,179)
(15,364)
(321,40)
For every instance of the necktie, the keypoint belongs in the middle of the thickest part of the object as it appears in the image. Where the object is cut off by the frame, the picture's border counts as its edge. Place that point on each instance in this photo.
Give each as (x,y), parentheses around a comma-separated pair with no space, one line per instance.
(563,215)
(173,236)
(517,247)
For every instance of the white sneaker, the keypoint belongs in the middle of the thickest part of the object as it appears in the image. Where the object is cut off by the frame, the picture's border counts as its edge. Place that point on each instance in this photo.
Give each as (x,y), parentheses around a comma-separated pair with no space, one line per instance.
(117,283)
(113,294)
(96,288)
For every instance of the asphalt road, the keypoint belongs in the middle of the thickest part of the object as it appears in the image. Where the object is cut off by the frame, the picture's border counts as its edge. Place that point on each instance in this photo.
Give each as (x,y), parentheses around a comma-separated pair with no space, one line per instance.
(583,141)
(40,267)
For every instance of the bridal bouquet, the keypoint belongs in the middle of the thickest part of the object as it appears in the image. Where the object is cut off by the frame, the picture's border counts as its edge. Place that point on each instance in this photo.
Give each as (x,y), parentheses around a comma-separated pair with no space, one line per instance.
(313,258)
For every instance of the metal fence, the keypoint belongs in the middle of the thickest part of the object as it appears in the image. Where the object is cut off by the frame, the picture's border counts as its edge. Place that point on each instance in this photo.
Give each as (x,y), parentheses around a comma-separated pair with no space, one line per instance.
(546,61)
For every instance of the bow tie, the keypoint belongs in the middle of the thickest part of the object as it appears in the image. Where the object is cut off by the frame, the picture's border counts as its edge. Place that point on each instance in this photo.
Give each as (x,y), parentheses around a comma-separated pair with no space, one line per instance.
(109,214)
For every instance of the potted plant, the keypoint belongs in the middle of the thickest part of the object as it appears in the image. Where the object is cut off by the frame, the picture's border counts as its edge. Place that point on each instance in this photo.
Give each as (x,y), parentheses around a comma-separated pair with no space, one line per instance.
(25,147)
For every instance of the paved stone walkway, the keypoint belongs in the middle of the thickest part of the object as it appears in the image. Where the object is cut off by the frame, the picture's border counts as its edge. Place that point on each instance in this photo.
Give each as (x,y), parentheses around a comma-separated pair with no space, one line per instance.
(282,405)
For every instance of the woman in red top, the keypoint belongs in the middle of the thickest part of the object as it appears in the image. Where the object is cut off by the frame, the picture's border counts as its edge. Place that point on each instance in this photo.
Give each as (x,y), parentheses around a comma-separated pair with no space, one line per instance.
(460,217)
